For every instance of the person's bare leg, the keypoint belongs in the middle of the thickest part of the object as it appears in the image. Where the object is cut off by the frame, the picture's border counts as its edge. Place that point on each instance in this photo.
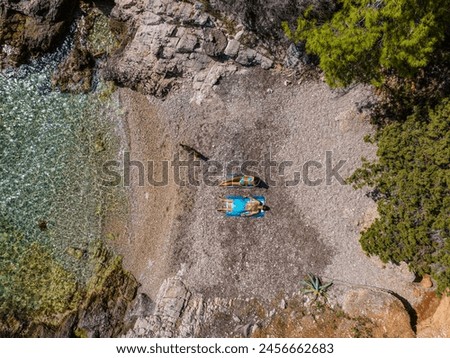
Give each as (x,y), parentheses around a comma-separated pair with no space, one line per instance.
(226,205)
(231,182)
(250,213)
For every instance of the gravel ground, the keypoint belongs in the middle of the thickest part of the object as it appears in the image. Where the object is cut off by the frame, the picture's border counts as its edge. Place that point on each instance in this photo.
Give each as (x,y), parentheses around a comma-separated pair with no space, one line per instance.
(248,116)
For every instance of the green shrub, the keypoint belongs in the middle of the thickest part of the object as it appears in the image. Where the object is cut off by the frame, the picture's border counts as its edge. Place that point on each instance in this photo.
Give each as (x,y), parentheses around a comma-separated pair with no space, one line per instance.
(314,285)
(366,39)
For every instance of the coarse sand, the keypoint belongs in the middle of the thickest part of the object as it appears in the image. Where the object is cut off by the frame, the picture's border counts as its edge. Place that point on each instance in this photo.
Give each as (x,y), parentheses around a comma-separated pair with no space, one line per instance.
(249,116)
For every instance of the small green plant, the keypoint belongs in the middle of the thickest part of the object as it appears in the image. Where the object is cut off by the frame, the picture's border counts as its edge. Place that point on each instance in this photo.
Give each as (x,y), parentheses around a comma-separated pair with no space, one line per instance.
(313,284)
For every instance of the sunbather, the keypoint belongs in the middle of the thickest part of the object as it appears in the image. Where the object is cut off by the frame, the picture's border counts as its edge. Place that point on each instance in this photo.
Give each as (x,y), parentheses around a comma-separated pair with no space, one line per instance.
(240,180)
(243,206)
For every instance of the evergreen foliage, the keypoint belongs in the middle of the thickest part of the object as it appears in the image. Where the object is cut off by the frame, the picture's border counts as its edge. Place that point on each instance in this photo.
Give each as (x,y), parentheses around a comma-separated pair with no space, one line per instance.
(411,179)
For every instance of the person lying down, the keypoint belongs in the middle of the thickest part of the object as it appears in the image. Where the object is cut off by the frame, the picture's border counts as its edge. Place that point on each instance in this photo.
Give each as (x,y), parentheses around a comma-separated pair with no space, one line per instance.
(242,206)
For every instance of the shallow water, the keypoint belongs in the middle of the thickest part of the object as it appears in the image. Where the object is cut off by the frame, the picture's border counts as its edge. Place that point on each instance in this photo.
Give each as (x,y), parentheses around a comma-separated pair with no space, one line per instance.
(51,147)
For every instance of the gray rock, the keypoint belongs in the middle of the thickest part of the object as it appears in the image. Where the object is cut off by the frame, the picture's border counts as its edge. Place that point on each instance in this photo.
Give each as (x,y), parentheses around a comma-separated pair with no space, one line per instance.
(296,55)
(239,35)
(202,19)
(200,76)
(127,4)
(158,6)
(187,43)
(265,62)
(293,55)
(197,62)
(215,42)
(185,12)
(168,51)
(197,85)
(232,48)
(246,330)
(126,10)
(214,75)
(151,19)
(173,40)
(199,6)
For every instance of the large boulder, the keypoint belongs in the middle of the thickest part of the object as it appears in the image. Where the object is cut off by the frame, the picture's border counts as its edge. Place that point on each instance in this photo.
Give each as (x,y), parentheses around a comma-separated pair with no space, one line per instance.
(438,325)
(382,308)
(171,41)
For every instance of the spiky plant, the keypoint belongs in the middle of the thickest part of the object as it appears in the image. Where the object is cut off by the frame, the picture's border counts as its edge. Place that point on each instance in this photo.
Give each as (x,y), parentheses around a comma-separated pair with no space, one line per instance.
(313,284)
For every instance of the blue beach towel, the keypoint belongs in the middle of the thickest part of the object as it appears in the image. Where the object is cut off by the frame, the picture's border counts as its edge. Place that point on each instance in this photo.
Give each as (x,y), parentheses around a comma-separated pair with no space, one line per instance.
(238,205)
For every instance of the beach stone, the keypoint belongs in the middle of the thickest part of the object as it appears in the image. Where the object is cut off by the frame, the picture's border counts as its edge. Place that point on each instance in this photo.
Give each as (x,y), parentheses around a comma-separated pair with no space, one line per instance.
(232,48)
(380,307)
(265,62)
(246,56)
(293,55)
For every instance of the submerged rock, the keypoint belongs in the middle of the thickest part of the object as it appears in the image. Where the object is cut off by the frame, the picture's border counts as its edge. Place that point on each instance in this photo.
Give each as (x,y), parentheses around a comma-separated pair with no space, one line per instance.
(75,73)
(31,28)
(96,310)
(75,252)
(107,297)
(94,39)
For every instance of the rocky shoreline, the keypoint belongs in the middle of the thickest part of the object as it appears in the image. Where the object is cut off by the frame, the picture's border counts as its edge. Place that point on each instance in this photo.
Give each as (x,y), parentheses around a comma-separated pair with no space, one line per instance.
(157,44)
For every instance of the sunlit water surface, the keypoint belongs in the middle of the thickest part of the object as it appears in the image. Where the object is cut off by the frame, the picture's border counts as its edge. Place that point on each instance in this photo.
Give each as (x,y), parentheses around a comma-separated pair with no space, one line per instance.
(51,149)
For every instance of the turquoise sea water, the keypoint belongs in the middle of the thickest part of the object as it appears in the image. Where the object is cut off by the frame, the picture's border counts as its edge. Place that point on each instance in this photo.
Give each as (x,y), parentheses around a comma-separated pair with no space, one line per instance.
(51,148)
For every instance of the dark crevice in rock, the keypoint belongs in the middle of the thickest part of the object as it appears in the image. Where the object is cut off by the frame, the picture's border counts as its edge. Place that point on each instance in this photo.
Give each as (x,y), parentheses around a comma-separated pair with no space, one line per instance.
(30,30)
